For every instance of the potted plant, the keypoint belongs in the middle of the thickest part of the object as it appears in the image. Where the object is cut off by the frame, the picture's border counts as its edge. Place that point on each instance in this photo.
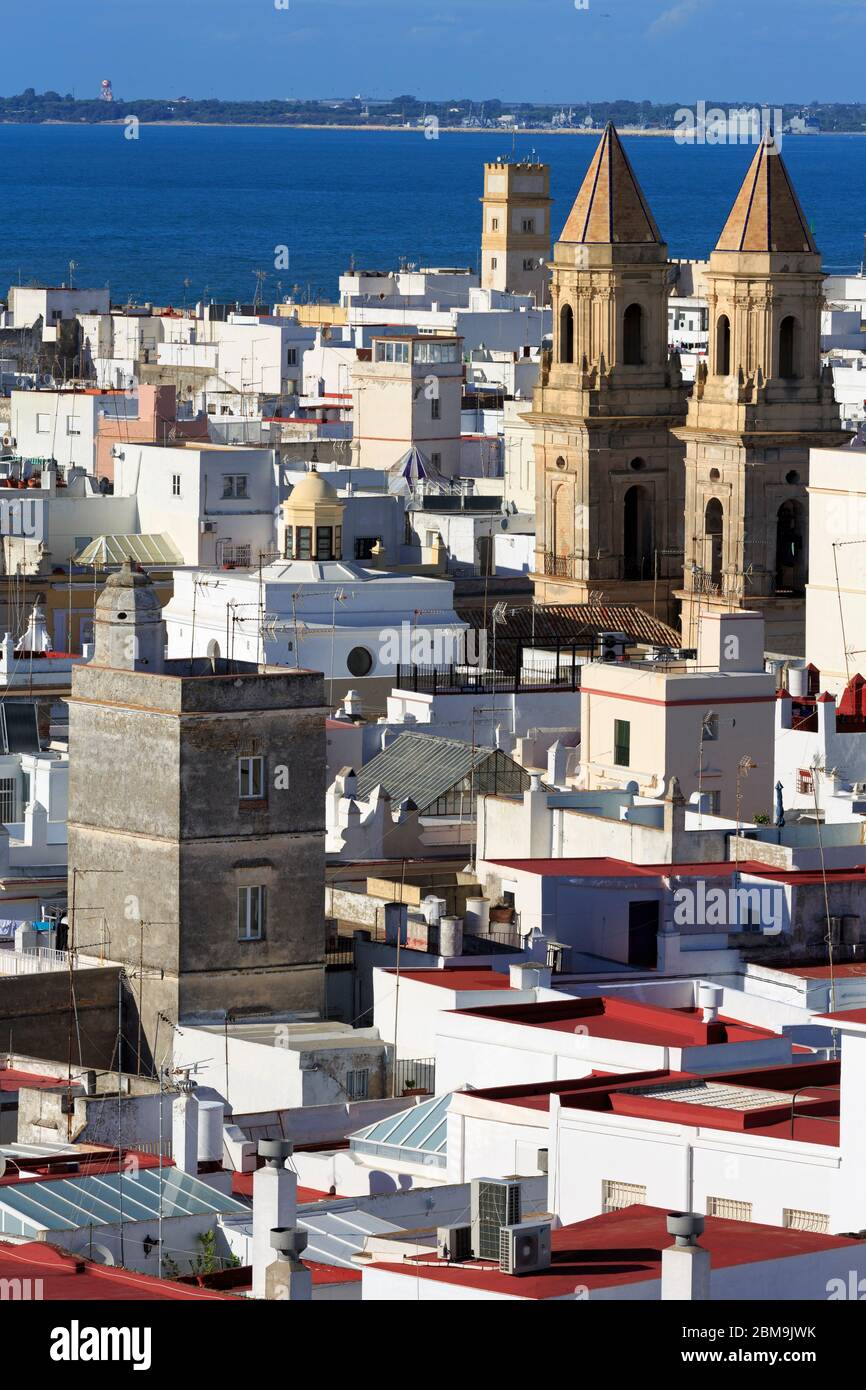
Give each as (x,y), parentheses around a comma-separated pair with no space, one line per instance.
(410,1089)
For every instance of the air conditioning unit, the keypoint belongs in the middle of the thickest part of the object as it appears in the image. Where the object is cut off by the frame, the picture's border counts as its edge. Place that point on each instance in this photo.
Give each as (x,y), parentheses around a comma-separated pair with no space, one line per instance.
(208,528)
(612,645)
(454,1243)
(495,1202)
(524,1248)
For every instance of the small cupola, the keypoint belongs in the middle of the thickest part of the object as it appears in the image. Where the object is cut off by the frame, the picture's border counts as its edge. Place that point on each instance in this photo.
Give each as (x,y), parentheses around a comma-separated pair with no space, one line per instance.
(312,522)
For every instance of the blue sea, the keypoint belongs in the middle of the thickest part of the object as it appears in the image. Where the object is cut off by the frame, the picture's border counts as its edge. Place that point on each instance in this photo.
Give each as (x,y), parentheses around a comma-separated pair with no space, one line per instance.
(210,206)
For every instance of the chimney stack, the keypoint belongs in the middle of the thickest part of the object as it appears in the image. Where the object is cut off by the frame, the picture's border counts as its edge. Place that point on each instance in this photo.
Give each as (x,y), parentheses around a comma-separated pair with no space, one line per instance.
(184,1128)
(275,1205)
(288,1278)
(710,1001)
(685,1264)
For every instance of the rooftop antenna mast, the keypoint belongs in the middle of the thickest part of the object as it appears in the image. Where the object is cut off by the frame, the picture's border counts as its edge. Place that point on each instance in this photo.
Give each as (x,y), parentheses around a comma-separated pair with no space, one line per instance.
(261,277)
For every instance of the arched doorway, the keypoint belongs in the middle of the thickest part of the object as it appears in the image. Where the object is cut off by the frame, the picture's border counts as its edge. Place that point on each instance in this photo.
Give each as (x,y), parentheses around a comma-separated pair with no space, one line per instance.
(637,533)
(566,333)
(723,346)
(632,333)
(714,535)
(790,551)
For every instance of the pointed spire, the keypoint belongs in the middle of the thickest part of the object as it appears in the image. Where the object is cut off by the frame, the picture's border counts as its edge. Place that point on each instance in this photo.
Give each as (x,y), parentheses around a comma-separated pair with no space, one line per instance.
(767,215)
(610,207)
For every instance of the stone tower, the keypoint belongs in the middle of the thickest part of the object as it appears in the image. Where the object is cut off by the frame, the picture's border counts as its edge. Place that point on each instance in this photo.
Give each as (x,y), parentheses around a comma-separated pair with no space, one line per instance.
(196,834)
(128,631)
(759,405)
(515,241)
(608,469)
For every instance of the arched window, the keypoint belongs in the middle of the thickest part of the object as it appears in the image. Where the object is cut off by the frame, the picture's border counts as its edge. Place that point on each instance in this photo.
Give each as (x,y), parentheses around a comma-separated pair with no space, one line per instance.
(637,539)
(566,333)
(790,551)
(789,349)
(714,535)
(723,346)
(632,331)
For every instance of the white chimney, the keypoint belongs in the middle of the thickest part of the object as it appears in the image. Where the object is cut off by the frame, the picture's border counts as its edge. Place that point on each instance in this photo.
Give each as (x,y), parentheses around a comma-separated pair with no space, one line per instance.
(275,1205)
(529,976)
(710,1001)
(184,1129)
(451,936)
(211,1114)
(287,1277)
(685,1264)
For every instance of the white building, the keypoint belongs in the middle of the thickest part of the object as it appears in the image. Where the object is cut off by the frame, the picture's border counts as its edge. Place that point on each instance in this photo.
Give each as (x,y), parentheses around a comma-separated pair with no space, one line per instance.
(52,304)
(316,610)
(63,425)
(730,1261)
(836,591)
(217,502)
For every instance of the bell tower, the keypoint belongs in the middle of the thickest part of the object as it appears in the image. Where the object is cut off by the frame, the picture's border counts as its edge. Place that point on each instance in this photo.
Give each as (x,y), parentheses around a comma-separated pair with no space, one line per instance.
(608,470)
(760,403)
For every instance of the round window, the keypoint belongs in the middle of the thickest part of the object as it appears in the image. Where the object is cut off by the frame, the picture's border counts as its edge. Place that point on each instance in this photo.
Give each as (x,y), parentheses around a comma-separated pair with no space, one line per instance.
(714,475)
(792,477)
(359,662)
(121,617)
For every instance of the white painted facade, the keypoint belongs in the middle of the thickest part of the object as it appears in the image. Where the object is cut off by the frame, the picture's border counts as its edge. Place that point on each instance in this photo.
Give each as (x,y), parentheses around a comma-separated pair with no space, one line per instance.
(837,563)
(212,500)
(317,613)
(51,304)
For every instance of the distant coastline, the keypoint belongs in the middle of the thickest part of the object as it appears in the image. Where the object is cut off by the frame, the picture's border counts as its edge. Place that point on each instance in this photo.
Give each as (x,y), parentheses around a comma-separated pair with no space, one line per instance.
(501,131)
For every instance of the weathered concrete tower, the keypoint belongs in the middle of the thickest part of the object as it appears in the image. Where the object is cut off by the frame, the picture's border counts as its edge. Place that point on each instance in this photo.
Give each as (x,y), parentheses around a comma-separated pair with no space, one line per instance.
(758,407)
(608,470)
(196,835)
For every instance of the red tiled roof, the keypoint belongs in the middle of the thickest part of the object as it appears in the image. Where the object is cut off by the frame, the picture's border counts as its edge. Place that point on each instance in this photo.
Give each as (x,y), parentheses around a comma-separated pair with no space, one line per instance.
(815,1120)
(12,1080)
(855,1016)
(73,1279)
(622,868)
(458,979)
(626,1020)
(90,1162)
(242,1186)
(332,1274)
(846,971)
(622,1247)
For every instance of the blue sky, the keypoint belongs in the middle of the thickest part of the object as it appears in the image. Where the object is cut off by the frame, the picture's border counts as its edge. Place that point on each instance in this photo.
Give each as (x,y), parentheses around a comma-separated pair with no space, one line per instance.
(550,50)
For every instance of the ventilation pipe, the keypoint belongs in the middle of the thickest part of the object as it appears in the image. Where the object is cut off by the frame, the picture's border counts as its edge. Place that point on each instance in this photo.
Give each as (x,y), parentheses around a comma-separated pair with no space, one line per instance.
(184,1129)
(288,1278)
(451,936)
(710,1001)
(685,1264)
(275,1205)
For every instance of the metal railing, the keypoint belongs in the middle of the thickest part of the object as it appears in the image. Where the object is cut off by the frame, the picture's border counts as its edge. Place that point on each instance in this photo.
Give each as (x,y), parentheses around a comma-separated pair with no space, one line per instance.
(42,959)
(415,1074)
(463,680)
(559,566)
